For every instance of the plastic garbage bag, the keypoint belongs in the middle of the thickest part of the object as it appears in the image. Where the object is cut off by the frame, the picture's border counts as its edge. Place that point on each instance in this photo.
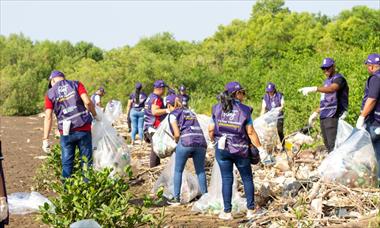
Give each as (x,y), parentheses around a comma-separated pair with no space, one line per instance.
(300,139)
(86,223)
(189,188)
(266,128)
(21,203)
(109,149)
(163,140)
(113,110)
(353,163)
(204,121)
(344,131)
(212,202)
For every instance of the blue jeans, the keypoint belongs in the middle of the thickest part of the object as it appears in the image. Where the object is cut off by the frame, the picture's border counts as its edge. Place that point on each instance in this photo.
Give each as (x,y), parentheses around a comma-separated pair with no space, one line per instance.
(226,162)
(376,144)
(181,155)
(137,121)
(83,140)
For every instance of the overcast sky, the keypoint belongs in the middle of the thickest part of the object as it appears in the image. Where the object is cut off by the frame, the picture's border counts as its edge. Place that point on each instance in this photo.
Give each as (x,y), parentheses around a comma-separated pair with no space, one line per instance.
(110,24)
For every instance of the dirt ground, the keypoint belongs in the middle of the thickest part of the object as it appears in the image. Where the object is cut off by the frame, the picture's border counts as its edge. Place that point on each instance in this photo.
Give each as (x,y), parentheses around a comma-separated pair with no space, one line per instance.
(21,140)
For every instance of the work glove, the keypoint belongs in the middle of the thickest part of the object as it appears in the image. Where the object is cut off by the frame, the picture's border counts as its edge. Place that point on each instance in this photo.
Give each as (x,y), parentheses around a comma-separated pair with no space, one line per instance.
(344,115)
(46,145)
(3,208)
(97,118)
(265,158)
(306,90)
(312,118)
(360,122)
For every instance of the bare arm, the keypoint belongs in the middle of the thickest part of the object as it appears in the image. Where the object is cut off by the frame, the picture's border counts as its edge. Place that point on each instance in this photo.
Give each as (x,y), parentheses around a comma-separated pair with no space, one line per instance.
(263,105)
(129,105)
(329,89)
(157,111)
(368,107)
(211,131)
(175,130)
(282,103)
(88,103)
(48,122)
(253,136)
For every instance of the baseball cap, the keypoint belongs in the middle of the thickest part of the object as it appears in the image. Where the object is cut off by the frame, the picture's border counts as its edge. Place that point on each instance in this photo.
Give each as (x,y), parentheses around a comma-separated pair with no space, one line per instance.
(182,88)
(101,89)
(56,73)
(373,58)
(233,87)
(138,85)
(270,87)
(171,99)
(159,84)
(327,62)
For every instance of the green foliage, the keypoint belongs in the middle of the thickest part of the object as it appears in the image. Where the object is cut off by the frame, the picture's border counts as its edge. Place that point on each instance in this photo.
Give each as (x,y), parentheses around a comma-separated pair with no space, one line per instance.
(274,44)
(95,195)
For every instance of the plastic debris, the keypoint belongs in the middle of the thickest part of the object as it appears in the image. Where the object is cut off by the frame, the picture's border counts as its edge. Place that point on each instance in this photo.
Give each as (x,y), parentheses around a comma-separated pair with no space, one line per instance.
(21,203)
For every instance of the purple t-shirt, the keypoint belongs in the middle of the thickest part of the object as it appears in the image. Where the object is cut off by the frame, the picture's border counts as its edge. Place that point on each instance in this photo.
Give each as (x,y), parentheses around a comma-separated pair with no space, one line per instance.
(374,88)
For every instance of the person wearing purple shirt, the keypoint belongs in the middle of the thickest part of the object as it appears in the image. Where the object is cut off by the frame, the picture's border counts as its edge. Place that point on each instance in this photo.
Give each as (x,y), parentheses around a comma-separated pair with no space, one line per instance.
(370,111)
(135,108)
(333,102)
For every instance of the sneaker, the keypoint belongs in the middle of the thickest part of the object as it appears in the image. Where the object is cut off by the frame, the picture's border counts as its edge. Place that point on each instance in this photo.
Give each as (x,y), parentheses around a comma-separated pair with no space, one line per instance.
(257,212)
(225,216)
(174,202)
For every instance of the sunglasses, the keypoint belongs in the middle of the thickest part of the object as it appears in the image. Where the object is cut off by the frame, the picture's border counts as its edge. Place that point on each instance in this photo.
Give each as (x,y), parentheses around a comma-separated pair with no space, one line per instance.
(326,68)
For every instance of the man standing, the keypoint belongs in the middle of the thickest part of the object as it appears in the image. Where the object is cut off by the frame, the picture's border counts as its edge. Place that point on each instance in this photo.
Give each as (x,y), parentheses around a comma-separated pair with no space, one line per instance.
(370,111)
(333,104)
(273,99)
(97,97)
(183,97)
(71,105)
(154,113)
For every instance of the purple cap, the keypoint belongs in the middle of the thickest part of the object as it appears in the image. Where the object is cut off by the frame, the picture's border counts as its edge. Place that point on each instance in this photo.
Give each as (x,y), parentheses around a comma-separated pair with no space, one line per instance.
(138,85)
(327,62)
(56,73)
(101,89)
(171,99)
(270,87)
(373,58)
(233,87)
(159,84)
(182,88)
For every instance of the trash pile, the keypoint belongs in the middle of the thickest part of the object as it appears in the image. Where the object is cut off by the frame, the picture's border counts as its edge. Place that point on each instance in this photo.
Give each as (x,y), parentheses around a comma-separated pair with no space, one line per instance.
(296,191)
(109,149)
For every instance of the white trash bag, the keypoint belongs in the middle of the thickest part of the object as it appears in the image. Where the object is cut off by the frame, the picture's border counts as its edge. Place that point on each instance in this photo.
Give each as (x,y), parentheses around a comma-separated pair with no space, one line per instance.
(189,187)
(109,149)
(266,128)
(204,122)
(212,202)
(163,141)
(344,131)
(353,163)
(86,223)
(113,110)
(21,203)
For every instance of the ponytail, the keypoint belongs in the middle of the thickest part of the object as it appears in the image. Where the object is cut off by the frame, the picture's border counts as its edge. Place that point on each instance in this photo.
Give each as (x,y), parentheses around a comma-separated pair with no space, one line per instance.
(137,95)
(227,101)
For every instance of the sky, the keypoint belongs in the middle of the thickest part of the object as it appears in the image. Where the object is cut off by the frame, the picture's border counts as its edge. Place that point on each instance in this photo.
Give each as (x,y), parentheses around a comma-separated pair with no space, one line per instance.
(112,24)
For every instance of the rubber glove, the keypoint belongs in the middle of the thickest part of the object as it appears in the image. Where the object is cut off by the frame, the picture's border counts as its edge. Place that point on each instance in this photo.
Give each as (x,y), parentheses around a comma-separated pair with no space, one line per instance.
(46,145)
(312,118)
(306,90)
(360,122)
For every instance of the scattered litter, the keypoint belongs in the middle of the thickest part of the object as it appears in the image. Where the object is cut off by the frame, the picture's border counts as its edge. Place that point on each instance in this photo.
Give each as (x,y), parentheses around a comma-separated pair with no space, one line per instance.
(40,157)
(21,203)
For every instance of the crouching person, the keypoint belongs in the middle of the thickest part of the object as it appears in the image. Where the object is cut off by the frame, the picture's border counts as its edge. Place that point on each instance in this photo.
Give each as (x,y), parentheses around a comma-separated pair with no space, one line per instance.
(72,106)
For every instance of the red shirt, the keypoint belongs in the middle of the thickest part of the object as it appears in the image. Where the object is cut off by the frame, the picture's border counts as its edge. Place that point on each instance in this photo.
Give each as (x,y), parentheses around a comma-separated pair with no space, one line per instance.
(81,90)
(160,104)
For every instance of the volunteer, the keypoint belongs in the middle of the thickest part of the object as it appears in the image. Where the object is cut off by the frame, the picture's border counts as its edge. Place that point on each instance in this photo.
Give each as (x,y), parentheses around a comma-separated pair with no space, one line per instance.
(97,96)
(273,99)
(191,142)
(370,111)
(154,113)
(333,103)
(232,129)
(135,107)
(184,97)
(72,107)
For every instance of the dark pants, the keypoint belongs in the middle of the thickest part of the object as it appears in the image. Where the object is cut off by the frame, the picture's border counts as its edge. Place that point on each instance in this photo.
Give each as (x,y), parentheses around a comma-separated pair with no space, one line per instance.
(80,139)
(375,138)
(280,130)
(226,162)
(329,128)
(154,159)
